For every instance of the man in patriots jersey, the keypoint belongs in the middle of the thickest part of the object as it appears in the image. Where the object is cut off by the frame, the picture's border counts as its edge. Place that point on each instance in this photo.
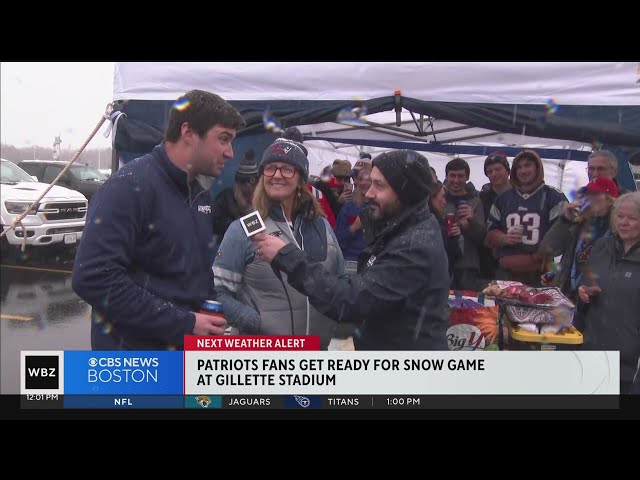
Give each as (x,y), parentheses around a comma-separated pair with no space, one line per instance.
(519,219)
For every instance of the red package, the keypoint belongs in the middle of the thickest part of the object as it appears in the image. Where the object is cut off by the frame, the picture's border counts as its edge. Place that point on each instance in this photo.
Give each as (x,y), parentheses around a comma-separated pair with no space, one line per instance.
(541,298)
(525,296)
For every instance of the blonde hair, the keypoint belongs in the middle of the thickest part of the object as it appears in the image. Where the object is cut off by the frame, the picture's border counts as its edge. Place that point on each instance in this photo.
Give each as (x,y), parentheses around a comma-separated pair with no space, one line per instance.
(633,198)
(262,203)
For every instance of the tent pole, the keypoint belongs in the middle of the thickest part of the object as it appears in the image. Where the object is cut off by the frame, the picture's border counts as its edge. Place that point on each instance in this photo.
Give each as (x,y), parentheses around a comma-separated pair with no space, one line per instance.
(562,165)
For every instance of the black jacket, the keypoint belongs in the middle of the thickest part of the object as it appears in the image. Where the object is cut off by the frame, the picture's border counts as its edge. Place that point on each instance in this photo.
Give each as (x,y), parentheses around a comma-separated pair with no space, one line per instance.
(488,261)
(399,296)
(225,211)
(613,317)
(144,263)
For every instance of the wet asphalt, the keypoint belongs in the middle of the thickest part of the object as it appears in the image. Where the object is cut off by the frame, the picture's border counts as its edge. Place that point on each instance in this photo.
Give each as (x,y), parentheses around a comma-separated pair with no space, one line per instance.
(38,309)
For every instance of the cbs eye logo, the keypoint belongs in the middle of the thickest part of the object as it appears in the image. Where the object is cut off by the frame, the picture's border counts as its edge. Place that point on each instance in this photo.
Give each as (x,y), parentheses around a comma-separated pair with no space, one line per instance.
(93,362)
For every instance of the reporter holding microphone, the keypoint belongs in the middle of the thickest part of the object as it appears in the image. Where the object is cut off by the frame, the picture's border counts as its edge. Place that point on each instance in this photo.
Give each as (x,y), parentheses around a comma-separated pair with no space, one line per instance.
(256,301)
(398,297)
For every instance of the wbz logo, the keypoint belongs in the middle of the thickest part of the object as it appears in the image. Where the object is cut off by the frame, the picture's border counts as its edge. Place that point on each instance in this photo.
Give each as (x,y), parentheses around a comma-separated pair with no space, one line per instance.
(41,372)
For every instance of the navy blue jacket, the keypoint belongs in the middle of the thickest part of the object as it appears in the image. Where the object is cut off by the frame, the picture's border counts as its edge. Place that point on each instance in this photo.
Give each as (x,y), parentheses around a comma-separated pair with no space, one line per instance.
(144,262)
(350,244)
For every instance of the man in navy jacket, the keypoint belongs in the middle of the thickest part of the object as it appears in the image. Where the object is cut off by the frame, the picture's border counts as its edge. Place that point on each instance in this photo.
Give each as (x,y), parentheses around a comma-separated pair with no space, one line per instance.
(144,263)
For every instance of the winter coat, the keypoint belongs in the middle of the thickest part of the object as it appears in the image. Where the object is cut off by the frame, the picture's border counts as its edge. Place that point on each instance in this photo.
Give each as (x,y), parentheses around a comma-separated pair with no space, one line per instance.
(351,244)
(144,263)
(399,296)
(323,200)
(488,260)
(612,319)
(562,239)
(471,239)
(254,299)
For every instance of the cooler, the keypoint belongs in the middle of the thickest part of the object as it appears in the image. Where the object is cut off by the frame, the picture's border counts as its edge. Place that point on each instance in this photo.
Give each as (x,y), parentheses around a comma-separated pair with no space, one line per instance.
(516,313)
(520,339)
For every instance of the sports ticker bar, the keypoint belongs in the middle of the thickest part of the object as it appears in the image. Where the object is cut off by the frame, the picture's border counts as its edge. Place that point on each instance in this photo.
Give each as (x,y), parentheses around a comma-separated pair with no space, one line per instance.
(323,402)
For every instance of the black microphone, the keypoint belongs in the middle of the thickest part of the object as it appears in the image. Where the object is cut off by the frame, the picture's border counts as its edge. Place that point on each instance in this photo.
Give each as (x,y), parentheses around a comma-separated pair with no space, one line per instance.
(252,224)
(398,102)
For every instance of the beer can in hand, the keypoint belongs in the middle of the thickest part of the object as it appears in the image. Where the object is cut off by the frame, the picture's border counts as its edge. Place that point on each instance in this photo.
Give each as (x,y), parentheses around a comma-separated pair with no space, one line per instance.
(449,223)
(211,307)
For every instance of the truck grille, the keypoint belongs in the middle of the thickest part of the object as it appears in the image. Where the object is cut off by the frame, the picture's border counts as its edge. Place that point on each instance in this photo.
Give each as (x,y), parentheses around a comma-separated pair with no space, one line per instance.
(53,231)
(63,210)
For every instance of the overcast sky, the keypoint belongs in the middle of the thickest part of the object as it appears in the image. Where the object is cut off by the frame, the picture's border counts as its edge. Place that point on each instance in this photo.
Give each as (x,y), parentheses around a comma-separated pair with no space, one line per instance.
(42,100)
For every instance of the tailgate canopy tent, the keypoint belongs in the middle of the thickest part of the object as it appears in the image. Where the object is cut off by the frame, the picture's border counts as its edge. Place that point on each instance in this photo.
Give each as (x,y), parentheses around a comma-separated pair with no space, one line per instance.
(562,110)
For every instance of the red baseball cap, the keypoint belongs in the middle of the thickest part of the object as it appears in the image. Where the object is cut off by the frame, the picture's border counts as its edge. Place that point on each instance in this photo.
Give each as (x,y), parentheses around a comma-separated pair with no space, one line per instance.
(603,185)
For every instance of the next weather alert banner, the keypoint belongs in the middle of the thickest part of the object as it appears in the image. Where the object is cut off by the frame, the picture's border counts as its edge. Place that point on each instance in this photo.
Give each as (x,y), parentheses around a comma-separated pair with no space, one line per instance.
(237,365)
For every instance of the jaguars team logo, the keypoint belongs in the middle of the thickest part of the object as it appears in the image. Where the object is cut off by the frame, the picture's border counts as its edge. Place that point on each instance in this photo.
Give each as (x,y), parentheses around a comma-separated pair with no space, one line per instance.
(203,401)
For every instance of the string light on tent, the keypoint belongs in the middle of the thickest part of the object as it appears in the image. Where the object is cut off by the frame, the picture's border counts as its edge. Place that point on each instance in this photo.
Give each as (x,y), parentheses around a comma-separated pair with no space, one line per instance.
(270,123)
(352,115)
(552,106)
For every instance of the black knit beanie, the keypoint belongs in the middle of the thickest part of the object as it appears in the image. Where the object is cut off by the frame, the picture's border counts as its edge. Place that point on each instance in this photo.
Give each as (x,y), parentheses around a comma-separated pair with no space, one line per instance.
(408,173)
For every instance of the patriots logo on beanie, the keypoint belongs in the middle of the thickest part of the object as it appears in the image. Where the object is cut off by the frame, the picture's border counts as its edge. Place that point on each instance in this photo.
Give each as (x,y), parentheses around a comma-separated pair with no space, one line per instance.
(281,150)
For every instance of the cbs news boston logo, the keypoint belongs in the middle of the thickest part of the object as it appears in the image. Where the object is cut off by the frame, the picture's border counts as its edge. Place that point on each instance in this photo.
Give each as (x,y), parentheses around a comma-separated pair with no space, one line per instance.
(42,372)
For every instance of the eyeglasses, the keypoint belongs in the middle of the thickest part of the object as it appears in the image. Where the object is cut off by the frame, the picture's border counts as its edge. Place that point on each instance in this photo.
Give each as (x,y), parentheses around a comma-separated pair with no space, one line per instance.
(597,169)
(286,171)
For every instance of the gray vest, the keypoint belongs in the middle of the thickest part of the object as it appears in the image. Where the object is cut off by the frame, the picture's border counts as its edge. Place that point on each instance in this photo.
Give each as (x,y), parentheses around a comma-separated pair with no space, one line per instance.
(262,290)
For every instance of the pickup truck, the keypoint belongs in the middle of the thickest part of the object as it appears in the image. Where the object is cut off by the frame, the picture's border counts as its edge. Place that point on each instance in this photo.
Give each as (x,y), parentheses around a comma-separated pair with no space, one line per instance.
(58,218)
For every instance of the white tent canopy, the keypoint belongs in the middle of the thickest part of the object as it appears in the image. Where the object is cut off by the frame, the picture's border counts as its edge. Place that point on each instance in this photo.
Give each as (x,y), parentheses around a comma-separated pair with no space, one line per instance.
(579,83)
(308,93)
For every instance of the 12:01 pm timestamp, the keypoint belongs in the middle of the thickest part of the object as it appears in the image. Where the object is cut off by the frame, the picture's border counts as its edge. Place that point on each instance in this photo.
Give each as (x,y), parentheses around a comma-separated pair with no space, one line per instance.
(41,396)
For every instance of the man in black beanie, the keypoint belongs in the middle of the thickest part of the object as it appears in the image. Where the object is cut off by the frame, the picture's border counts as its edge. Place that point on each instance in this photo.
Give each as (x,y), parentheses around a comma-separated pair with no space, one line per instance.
(399,296)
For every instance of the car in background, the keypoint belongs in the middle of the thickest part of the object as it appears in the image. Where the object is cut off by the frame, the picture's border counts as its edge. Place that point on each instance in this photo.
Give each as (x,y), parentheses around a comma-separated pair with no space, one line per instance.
(83,178)
(59,217)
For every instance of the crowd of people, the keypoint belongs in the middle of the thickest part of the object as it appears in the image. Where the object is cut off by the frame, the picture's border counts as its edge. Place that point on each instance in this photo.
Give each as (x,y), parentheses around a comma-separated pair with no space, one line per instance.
(370,249)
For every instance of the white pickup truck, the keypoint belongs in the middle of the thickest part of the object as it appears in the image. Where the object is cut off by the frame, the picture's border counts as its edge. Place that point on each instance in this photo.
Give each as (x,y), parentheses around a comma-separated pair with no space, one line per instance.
(59,217)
